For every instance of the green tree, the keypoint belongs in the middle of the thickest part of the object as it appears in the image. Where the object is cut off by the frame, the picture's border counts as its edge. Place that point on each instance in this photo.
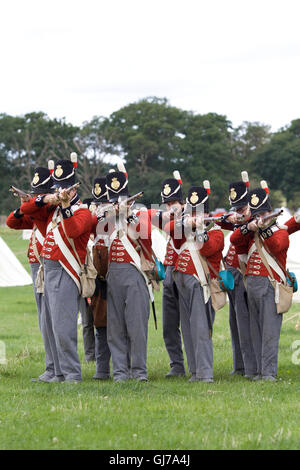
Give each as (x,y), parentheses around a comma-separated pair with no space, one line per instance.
(29,141)
(279,161)
(208,155)
(148,136)
(92,150)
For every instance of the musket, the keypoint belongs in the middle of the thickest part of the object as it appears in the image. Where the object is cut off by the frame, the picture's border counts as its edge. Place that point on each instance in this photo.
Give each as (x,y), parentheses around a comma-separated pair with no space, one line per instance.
(131,199)
(273,215)
(111,207)
(19,193)
(67,190)
(221,218)
(100,211)
(74,186)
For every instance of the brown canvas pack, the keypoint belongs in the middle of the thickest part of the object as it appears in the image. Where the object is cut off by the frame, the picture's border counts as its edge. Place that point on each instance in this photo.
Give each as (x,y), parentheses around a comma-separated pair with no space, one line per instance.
(218,296)
(98,303)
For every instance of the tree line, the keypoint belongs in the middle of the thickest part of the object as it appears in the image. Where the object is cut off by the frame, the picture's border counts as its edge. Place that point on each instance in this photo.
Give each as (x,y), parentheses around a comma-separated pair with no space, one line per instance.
(153,138)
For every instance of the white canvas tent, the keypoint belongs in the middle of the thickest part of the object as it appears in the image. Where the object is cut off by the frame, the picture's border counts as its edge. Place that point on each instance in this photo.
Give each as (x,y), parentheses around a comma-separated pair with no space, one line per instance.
(12,272)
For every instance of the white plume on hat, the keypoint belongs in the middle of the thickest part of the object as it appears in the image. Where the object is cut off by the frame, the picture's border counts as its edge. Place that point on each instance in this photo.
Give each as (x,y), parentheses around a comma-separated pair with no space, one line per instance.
(245,178)
(177,176)
(121,167)
(73,157)
(206,185)
(51,166)
(264,186)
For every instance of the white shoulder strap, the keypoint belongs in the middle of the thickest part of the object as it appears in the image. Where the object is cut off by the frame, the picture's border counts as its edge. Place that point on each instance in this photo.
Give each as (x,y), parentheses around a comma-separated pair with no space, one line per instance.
(199,269)
(251,251)
(39,236)
(271,262)
(65,250)
(131,250)
(274,265)
(170,240)
(53,220)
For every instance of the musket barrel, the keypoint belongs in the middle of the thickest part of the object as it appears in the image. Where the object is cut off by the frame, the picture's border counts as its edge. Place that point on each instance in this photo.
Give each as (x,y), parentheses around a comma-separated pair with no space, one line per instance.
(18,192)
(273,215)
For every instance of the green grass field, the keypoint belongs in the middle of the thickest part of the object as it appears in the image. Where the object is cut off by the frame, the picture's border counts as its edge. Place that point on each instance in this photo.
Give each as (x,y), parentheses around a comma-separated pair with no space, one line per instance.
(231,413)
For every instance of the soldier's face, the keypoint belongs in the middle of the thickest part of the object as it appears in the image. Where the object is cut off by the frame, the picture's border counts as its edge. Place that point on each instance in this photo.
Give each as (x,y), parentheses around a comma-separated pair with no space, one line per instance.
(264,214)
(174,206)
(245,211)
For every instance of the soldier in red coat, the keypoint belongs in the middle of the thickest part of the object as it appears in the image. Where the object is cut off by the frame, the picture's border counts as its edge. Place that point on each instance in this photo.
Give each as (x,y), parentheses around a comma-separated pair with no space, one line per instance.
(244,362)
(41,184)
(128,287)
(68,221)
(172,198)
(265,322)
(197,264)
(98,300)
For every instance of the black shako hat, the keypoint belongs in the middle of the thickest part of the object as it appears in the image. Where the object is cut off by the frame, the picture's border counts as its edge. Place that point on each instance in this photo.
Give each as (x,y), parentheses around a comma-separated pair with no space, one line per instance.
(259,201)
(64,172)
(42,181)
(171,190)
(99,190)
(116,185)
(196,196)
(238,194)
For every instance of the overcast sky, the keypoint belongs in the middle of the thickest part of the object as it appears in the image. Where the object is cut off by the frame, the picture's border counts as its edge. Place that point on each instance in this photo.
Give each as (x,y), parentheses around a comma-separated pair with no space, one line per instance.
(77,59)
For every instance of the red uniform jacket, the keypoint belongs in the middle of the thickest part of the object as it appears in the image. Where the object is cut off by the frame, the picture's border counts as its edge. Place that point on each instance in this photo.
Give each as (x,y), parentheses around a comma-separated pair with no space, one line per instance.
(78,226)
(277,244)
(211,250)
(292,225)
(232,258)
(117,251)
(26,222)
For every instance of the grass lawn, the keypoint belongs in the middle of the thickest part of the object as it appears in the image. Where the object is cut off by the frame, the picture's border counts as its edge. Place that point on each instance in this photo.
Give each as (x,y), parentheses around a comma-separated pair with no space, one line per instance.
(231,413)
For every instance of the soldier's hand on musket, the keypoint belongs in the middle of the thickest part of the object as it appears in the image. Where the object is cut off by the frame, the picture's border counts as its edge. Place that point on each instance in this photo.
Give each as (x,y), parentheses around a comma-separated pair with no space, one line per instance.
(233,218)
(262,224)
(65,196)
(51,199)
(124,208)
(253,225)
(168,215)
(25,198)
(198,222)
(93,208)
(190,221)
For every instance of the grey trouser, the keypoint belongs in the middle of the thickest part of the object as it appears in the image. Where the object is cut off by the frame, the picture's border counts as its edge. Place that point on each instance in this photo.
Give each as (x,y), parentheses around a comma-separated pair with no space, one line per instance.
(239,320)
(265,324)
(61,312)
(102,351)
(171,321)
(194,314)
(127,320)
(88,333)
(39,299)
